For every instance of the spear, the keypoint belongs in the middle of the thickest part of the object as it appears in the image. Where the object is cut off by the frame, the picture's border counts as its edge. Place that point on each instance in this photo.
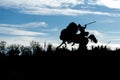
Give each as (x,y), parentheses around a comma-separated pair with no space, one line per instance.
(89,23)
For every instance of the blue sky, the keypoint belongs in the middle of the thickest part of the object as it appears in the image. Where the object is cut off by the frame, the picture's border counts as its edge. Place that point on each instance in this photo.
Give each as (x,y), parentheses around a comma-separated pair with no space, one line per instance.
(22,21)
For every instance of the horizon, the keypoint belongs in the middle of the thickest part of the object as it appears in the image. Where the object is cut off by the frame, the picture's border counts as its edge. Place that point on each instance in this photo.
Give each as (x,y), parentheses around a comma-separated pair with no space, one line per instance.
(42,21)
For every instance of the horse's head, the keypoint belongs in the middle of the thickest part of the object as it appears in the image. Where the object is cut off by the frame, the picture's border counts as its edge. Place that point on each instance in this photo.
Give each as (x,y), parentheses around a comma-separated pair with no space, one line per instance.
(93,38)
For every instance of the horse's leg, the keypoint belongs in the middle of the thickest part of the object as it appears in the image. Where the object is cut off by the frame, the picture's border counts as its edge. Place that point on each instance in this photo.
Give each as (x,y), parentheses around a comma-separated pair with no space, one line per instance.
(83,44)
(86,41)
(73,44)
(62,44)
(65,44)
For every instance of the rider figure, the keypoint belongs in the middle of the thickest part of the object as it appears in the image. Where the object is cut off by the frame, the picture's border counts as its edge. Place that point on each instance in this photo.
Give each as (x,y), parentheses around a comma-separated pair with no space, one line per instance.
(83,33)
(69,34)
(72,30)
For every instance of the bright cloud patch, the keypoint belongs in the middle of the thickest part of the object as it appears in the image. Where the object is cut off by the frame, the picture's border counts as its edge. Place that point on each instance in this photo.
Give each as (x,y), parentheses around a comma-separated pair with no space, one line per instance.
(59,7)
(12,31)
(68,11)
(96,33)
(27,25)
(41,3)
(107,3)
(22,29)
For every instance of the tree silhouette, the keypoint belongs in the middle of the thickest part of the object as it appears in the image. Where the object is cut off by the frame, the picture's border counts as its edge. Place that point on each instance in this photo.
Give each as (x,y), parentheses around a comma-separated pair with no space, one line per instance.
(26,50)
(2,47)
(13,50)
(36,48)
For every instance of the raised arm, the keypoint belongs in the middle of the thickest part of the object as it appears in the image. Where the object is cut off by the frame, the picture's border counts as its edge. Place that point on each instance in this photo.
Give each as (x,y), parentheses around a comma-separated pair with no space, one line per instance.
(85,26)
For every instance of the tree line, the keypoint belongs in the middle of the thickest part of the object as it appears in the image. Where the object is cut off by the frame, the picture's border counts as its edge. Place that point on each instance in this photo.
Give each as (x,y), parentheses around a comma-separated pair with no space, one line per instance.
(35,49)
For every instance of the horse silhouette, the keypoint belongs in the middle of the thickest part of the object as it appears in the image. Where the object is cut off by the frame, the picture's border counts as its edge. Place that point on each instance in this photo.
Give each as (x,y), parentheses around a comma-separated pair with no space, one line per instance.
(82,38)
(67,34)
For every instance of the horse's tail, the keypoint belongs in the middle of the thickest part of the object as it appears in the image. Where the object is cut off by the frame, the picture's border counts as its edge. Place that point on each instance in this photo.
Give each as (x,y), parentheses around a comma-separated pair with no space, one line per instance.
(93,38)
(64,37)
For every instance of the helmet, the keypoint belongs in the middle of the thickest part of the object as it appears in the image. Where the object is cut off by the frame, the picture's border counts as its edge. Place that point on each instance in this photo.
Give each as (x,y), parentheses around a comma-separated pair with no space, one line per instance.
(72,26)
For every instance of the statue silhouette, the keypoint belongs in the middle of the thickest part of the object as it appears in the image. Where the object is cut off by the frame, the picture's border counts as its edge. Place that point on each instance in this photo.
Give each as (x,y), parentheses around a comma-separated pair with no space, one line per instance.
(69,35)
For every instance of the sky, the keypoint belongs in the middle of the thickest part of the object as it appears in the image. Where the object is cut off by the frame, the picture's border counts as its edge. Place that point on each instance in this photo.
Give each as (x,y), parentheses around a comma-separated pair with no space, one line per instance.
(22,21)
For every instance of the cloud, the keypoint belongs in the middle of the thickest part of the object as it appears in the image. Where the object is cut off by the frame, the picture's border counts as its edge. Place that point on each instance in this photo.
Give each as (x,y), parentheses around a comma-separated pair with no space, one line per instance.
(114,32)
(114,36)
(27,29)
(27,25)
(51,30)
(114,4)
(54,7)
(22,29)
(108,44)
(40,3)
(65,11)
(108,21)
(25,40)
(35,24)
(95,32)
(18,32)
